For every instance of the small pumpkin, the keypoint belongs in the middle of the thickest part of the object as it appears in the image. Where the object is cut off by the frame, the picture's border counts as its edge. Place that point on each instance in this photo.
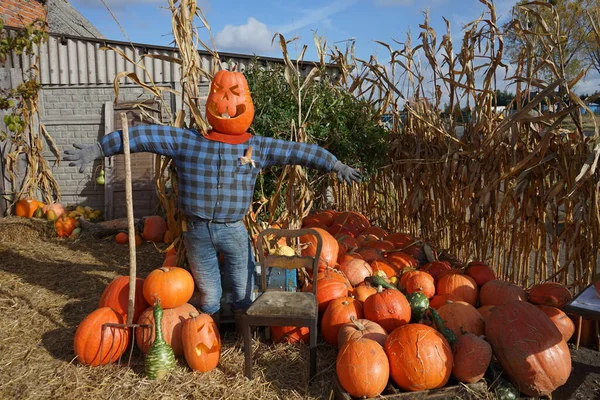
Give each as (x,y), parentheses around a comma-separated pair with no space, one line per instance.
(388,307)
(360,327)
(362,368)
(201,342)
(339,312)
(122,238)
(154,228)
(116,296)
(229,107)
(361,292)
(472,356)
(64,226)
(356,270)
(26,207)
(290,334)
(480,271)
(459,285)
(549,294)
(173,285)
(95,345)
(418,281)
(331,285)
(461,317)
(172,324)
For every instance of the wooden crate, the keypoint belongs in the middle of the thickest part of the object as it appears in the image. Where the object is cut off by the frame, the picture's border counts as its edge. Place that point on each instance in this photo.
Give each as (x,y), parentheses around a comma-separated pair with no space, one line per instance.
(461,391)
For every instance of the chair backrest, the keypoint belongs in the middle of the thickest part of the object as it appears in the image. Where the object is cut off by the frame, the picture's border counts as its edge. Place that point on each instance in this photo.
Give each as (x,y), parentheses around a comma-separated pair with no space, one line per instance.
(288,262)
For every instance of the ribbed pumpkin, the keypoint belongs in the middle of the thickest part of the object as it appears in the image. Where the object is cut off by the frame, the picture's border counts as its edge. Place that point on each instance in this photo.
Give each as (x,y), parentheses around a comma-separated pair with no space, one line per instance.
(481,272)
(355,221)
(529,346)
(420,358)
(329,250)
(172,324)
(550,294)
(97,346)
(418,281)
(339,312)
(173,285)
(496,292)
(361,292)
(562,321)
(388,307)
(201,342)
(461,317)
(362,368)
(116,296)
(459,285)
(356,270)
(154,228)
(361,327)
(331,285)
(472,356)
(290,334)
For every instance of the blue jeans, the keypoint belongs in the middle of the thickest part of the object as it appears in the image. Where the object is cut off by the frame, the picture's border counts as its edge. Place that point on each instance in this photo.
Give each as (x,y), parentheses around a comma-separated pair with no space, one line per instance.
(203,240)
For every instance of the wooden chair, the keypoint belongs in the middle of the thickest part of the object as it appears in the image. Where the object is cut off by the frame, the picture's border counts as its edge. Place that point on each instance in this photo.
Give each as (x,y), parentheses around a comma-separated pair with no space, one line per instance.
(283,308)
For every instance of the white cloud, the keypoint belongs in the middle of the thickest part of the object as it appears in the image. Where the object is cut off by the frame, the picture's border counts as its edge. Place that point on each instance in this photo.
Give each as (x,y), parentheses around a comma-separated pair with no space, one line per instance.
(254,37)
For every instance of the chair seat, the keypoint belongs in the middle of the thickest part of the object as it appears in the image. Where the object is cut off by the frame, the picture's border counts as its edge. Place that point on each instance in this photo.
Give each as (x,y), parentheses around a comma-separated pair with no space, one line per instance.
(284,304)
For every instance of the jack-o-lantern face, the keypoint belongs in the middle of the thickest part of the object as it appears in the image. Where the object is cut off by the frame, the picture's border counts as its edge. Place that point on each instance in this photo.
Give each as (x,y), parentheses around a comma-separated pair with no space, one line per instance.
(201,342)
(229,107)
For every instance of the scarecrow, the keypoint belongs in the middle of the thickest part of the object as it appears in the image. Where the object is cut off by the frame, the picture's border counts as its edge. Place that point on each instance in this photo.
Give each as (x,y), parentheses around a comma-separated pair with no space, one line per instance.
(216,176)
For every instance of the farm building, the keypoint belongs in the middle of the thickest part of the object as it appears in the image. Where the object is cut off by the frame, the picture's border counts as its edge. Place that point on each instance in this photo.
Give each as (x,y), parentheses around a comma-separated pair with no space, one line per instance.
(77,67)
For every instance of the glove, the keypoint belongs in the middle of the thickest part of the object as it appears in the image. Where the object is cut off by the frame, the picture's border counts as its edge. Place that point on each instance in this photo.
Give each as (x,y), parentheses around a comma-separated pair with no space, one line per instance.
(346,173)
(83,155)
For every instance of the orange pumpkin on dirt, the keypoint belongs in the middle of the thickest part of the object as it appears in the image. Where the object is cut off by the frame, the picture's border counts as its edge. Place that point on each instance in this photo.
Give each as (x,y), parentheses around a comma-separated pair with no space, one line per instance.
(154,230)
(64,226)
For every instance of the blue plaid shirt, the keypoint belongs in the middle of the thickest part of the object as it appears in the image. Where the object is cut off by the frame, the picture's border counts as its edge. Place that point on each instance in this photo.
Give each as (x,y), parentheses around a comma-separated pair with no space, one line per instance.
(212,181)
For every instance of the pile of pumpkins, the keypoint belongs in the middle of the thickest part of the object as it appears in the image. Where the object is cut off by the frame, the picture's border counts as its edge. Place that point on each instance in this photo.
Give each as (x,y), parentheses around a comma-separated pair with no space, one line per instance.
(152,228)
(66,221)
(397,316)
(104,335)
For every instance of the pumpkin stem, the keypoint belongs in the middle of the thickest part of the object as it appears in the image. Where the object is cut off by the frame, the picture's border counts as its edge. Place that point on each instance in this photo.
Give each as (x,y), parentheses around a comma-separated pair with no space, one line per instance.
(358,325)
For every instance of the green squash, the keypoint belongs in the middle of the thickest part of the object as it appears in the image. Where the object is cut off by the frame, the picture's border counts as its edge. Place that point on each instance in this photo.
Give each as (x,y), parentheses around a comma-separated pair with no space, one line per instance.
(160,359)
(419,303)
(439,325)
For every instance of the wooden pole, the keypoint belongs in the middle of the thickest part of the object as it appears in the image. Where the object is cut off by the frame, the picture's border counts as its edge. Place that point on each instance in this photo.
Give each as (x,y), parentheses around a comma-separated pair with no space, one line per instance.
(130,219)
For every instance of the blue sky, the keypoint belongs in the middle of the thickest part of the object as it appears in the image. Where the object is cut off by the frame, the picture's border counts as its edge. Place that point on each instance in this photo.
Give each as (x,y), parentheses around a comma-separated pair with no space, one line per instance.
(248,26)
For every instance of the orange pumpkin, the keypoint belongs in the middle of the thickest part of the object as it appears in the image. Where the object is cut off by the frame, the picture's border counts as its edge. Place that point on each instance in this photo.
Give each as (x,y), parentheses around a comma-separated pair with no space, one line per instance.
(122,238)
(290,334)
(418,281)
(481,272)
(97,345)
(172,324)
(116,296)
(361,328)
(339,312)
(361,292)
(420,357)
(496,292)
(388,307)
(201,342)
(362,368)
(461,317)
(329,250)
(440,299)
(173,285)
(356,270)
(562,321)
(155,227)
(549,294)
(64,226)
(459,285)
(27,207)
(472,356)
(229,107)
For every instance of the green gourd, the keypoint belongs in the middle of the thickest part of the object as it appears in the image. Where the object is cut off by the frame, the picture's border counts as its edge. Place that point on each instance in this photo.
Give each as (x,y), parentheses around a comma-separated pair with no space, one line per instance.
(419,304)
(160,359)
(379,281)
(439,325)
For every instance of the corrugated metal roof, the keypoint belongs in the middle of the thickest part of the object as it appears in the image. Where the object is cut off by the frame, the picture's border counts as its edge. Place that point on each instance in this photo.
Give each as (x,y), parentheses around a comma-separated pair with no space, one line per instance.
(74,60)
(63,18)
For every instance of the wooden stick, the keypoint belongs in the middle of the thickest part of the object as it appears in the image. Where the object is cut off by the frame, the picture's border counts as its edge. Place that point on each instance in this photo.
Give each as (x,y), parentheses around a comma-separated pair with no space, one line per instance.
(130,219)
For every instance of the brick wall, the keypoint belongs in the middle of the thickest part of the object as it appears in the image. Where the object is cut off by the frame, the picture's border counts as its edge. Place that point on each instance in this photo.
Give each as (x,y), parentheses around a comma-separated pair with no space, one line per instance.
(76,115)
(20,13)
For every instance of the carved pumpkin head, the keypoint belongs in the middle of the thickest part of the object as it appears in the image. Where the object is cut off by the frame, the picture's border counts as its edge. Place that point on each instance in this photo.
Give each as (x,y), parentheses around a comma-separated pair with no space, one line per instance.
(229,107)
